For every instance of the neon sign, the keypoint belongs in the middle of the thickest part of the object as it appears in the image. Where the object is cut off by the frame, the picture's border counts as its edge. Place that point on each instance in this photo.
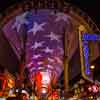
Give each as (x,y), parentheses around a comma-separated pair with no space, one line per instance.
(86,56)
(85,39)
(90,37)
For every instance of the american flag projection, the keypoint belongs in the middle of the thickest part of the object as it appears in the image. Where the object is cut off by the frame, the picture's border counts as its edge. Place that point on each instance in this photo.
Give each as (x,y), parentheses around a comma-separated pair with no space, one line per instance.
(45,36)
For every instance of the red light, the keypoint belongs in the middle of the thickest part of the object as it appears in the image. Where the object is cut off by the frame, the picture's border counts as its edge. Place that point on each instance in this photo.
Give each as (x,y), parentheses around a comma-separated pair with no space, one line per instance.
(95,88)
(55,95)
(2,78)
(38,79)
(4,84)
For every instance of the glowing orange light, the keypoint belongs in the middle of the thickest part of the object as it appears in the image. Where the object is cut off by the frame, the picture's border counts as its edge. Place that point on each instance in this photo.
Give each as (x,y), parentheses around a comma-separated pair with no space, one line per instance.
(10,83)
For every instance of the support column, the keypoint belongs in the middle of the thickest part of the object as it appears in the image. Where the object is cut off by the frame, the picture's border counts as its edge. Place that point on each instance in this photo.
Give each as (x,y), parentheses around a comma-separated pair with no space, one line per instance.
(23,39)
(66,66)
(66,74)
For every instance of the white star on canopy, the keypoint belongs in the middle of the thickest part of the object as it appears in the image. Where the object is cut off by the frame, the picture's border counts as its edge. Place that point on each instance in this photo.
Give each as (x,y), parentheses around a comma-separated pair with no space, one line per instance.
(40,63)
(53,36)
(37,27)
(48,50)
(37,44)
(61,16)
(36,56)
(20,20)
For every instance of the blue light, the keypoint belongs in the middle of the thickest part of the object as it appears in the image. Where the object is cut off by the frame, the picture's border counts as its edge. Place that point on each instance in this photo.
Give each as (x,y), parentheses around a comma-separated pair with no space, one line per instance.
(88,72)
(86,56)
(88,37)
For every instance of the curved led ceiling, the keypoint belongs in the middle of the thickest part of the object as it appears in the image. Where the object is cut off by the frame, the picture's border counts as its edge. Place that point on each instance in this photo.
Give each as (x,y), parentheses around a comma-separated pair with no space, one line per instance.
(45,31)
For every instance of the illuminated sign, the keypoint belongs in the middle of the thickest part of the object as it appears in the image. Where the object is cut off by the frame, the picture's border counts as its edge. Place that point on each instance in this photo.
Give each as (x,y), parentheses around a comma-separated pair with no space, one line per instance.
(85,39)
(90,37)
(86,56)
